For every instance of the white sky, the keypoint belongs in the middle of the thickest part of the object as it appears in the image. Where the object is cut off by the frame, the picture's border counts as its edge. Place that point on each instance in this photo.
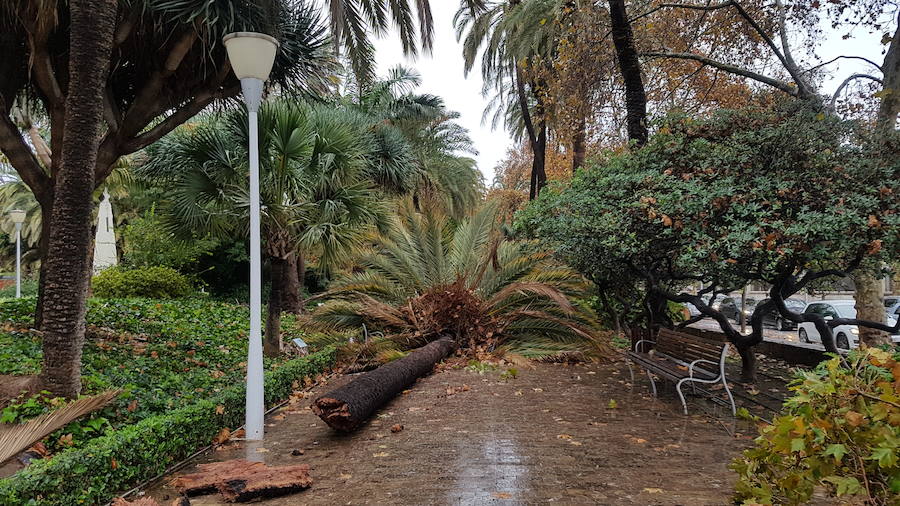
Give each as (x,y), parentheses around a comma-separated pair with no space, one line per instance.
(442,75)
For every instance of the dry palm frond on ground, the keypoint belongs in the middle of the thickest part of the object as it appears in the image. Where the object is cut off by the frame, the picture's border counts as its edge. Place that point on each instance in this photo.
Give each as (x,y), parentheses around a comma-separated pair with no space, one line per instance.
(18,437)
(429,277)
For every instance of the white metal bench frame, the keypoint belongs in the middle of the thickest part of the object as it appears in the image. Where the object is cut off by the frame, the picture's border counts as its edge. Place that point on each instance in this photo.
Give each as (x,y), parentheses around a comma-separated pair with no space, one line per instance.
(718,377)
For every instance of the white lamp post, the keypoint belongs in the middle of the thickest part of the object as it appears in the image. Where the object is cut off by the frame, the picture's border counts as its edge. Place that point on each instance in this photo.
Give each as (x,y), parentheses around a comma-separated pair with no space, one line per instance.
(251,56)
(18,217)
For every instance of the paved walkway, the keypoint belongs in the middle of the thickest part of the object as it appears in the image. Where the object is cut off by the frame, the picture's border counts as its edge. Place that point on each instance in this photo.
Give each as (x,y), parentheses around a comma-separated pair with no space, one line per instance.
(555,433)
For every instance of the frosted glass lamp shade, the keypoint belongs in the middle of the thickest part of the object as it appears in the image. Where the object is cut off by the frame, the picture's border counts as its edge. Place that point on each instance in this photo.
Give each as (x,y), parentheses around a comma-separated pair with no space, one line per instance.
(17,216)
(251,54)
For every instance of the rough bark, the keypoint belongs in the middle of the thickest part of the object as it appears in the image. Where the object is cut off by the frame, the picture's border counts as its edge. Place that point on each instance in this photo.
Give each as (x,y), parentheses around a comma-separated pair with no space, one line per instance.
(65,291)
(869,295)
(748,363)
(349,406)
(291,299)
(272,339)
(630,67)
(579,150)
(43,246)
(266,482)
(242,480)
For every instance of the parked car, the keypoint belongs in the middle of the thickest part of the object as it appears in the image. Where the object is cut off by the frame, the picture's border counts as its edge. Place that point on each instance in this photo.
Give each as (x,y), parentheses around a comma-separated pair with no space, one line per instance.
(731,308)
(845,336)
(774,320)
(892,306)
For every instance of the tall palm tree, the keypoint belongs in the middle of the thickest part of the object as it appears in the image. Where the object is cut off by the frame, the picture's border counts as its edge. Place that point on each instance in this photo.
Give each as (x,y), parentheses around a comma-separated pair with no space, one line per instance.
(316,188)
(428,278)
(512,36)
(438,145)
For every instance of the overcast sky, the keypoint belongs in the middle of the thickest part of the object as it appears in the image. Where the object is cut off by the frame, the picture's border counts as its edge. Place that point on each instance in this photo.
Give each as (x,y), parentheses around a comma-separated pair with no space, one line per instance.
(442,75)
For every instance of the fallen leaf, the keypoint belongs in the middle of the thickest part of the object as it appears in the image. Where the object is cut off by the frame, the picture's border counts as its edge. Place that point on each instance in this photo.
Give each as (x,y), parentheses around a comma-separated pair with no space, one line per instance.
(220,409)
(132,406)
(855,419)
(278,417)
(345,476)
(574,443)
(238,433)
(538,389)
(612,404)
(501,495)
(222,436)
(113,464)
(563,436)
(262,450)
(381,454)
(396,428)
(653,490)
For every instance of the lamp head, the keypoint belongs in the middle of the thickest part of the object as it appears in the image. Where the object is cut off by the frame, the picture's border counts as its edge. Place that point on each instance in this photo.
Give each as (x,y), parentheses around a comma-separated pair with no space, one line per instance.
(18,216)
(251,54)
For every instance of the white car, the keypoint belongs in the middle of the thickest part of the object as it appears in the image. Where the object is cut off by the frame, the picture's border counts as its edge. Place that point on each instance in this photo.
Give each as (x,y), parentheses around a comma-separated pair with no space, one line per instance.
(845,336)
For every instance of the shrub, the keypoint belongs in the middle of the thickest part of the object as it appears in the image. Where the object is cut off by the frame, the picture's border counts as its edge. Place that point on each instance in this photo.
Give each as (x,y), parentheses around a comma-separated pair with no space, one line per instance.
(110,464)
(149,242)
(154,282)
(29,288)
(840,430)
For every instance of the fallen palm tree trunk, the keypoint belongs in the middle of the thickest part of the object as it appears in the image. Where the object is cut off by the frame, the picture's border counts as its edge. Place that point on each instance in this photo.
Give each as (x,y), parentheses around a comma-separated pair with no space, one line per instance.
(242,480)
(15,438)
(347,407)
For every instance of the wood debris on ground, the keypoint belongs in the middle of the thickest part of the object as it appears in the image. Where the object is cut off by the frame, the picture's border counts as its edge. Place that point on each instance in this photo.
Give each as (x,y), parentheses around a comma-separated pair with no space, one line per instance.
(241,480)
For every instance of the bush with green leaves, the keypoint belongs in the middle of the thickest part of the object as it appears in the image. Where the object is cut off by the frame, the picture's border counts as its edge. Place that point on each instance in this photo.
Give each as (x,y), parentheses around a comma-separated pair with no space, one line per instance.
(148,242)
(840,430)
(110,464)
(154,282)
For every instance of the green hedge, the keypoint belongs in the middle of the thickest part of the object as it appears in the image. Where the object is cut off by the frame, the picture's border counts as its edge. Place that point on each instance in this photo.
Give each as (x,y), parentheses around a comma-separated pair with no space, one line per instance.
(153,282)
(110,464)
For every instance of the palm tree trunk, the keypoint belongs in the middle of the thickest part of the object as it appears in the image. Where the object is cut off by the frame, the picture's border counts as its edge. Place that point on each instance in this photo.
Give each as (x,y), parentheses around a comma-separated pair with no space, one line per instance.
(43,246)
(291,300)
(67,270)
(630,67)
(272,341)
(538,171)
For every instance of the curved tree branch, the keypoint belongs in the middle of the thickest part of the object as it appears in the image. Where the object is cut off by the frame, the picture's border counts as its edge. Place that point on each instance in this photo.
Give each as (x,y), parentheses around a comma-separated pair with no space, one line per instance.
(837,92)
(771,81)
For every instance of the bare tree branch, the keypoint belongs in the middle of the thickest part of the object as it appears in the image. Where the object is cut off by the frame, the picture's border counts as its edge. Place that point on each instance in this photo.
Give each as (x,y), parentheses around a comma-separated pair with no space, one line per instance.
(22,158)
(836,58)
(853,77)
(775,83)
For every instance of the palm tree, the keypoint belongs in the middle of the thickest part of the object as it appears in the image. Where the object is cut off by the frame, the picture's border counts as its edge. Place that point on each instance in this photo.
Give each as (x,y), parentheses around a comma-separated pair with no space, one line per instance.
(427,278)
(512,37)
(316,187)
(438,145)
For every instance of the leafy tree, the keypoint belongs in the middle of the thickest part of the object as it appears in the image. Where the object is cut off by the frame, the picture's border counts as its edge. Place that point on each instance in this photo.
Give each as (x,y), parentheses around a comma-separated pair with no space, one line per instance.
(783,196)
(316,187)
(429,277)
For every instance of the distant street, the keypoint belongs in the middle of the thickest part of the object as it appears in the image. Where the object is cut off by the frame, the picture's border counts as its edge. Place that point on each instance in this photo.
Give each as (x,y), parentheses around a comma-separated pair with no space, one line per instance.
(787,337)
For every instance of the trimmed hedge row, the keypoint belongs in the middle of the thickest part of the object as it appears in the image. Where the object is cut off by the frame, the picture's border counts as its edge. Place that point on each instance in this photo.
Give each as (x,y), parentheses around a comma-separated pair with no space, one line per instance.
(112,463)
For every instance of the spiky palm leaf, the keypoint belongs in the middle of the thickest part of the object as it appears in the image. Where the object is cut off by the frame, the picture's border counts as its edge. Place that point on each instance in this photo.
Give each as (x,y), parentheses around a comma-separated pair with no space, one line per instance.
(428,277)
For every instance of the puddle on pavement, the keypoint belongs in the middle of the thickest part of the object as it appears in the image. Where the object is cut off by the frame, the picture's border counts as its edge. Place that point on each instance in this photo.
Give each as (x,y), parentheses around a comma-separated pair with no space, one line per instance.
(487,469)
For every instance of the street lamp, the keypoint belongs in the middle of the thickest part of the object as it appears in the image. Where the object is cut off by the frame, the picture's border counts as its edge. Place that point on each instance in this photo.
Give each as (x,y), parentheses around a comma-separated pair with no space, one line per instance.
(251,56)
(18,217)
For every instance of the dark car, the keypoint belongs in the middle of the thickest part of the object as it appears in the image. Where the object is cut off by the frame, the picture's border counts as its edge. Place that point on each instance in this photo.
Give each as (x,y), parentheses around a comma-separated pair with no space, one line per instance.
(731,307)
(773,320)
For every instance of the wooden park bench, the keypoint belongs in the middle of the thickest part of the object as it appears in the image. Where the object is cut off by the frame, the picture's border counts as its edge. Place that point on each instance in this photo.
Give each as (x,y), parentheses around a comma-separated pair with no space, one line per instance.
(682,358)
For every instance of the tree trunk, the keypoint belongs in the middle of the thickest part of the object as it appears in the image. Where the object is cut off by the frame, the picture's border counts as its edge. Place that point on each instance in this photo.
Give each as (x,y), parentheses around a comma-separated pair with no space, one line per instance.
(272,341)
(291,299)
(538,172)
(869,295)
(349,406)
(65,288)
(748,363)
(578,145)
(630,67)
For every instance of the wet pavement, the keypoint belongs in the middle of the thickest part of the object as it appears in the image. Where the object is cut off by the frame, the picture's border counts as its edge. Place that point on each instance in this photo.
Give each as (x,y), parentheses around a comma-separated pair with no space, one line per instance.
(553,434)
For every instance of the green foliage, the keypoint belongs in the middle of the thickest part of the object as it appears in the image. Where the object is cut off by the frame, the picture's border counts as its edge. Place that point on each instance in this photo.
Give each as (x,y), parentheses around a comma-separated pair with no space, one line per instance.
(109,464)
(431,277)
(154,282)
(751,194)
(149,243)
(840,429)
(29,289)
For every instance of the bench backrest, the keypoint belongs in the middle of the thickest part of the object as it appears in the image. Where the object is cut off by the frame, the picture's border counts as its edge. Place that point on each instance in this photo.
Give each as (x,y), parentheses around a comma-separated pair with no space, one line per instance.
(686,347)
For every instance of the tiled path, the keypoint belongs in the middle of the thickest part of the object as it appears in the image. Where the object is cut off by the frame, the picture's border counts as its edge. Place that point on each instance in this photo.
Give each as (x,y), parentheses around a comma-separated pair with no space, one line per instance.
(551,435)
